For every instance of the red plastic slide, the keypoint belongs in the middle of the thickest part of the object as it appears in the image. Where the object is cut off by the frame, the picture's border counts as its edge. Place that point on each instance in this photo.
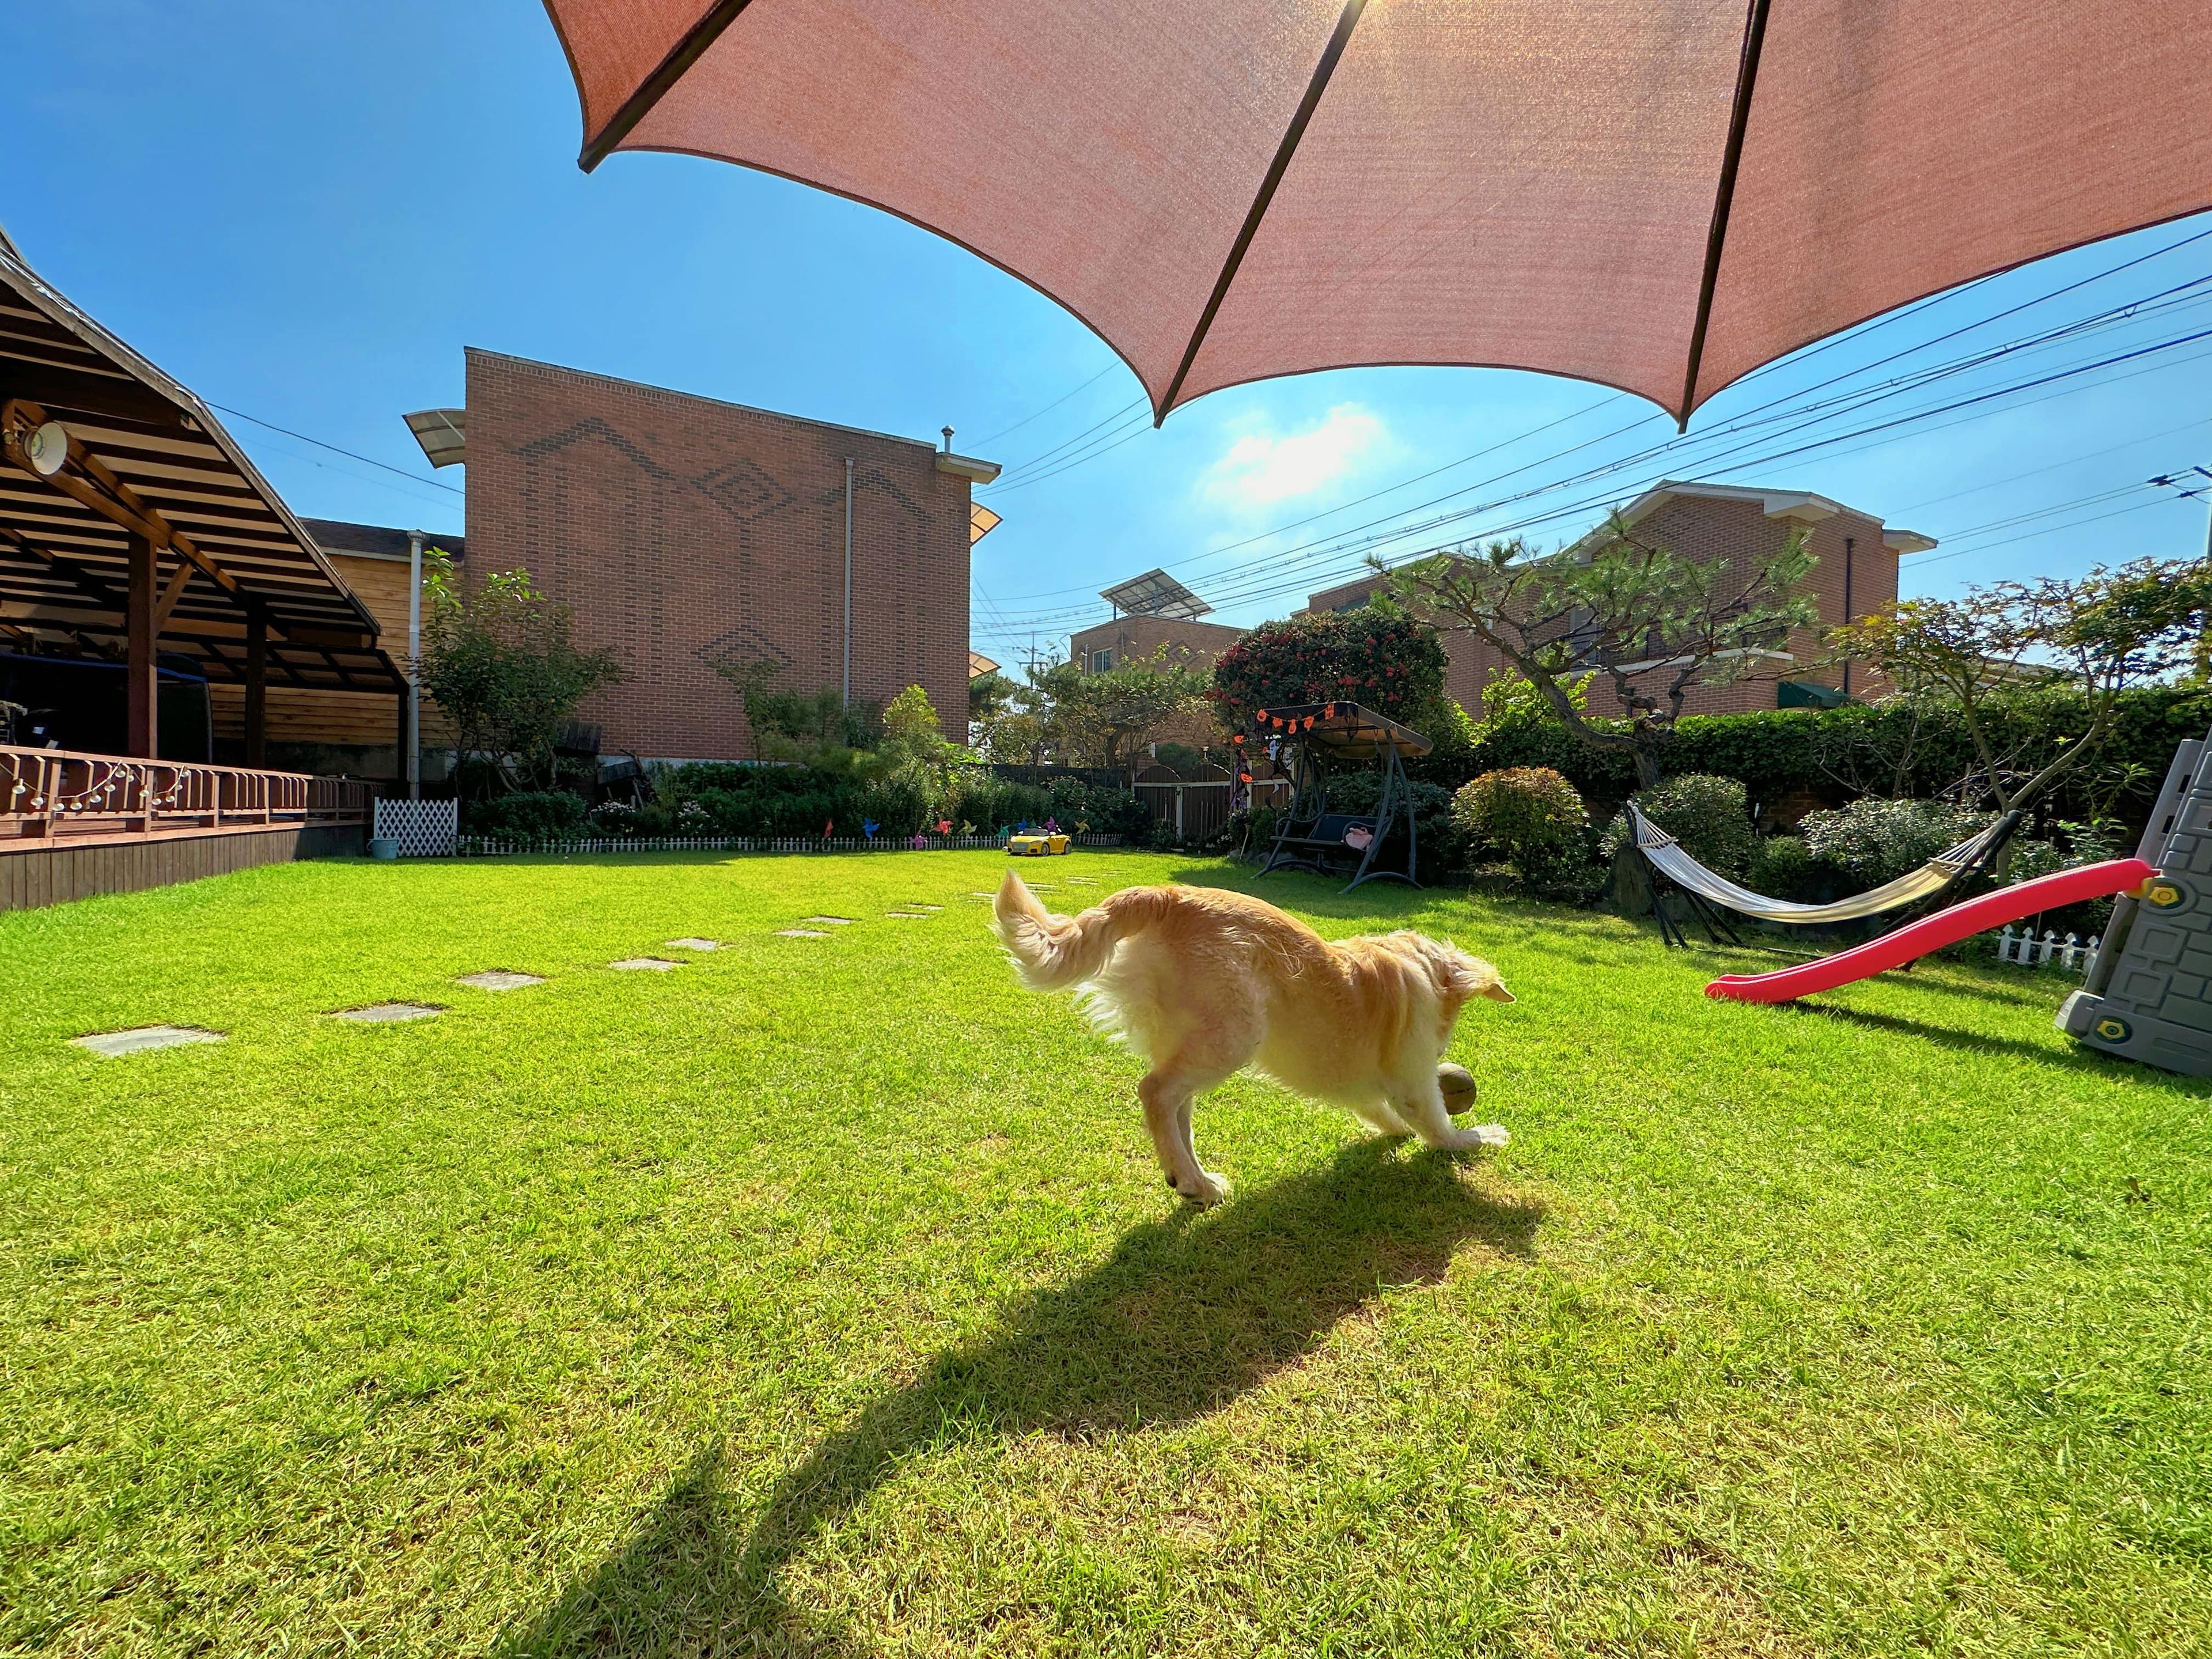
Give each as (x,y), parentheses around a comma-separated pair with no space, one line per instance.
(1976,915)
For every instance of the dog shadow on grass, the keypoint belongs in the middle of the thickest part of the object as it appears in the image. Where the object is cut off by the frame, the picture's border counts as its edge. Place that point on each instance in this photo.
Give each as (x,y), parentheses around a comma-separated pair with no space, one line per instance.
(1188,1313)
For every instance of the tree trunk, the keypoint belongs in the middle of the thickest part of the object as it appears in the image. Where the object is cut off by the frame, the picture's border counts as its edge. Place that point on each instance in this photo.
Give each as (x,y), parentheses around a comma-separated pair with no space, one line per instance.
(1631,882)
(1648,774)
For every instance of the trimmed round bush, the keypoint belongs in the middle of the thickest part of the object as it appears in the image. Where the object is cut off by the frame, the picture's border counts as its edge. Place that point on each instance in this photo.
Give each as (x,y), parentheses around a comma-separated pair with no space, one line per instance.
(1531,814)
(1873,840)
(1710,816)
(1783,867)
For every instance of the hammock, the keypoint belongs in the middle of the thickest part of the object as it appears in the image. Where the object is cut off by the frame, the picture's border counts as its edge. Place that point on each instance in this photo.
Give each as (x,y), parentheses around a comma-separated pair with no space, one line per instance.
(1666,855)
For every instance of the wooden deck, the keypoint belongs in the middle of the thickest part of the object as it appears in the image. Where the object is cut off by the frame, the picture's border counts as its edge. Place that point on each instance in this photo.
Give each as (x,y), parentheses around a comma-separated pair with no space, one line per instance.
(74,825)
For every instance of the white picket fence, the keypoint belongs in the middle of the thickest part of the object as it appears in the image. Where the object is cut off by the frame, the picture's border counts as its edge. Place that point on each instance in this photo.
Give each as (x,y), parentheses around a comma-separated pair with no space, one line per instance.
(483,847)
(2025,949)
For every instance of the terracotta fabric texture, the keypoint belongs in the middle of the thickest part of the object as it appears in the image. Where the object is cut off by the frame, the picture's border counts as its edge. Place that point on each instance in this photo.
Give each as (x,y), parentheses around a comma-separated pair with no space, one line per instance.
(1529,184)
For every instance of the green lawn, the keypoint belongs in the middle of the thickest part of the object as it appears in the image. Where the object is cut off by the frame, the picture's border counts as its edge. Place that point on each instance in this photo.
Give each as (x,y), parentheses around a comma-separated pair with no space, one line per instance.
(822,1297)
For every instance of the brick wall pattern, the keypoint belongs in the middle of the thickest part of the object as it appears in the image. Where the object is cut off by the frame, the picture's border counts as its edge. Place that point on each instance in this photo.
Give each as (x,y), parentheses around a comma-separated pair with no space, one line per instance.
(683,529)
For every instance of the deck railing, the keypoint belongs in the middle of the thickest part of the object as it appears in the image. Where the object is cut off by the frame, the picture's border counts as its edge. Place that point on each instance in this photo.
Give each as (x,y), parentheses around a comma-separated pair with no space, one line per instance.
(48,795)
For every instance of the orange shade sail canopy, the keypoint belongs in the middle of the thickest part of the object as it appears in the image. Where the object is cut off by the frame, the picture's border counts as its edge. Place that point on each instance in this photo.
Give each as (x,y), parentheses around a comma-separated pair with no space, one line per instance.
(1657,195)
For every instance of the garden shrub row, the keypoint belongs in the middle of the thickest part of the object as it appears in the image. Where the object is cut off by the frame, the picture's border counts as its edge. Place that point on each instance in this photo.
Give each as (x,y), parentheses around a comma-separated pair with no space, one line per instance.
(1897,747)
(716,799)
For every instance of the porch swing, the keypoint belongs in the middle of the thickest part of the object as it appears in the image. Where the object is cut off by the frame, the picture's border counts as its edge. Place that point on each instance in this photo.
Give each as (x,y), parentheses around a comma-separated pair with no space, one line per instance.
(1322,739)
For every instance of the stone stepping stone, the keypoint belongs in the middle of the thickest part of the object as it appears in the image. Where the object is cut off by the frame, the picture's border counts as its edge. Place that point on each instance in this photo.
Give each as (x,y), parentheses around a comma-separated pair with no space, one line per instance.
(830,921)
(1081,881)
(112,1043)
(695,944)
(982,896)
(908,915)
(644,964)
(388,1013)
(500,979)
(800,932)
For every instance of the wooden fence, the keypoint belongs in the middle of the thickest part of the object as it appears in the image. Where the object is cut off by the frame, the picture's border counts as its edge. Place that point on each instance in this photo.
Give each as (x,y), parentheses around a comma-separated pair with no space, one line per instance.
(1200,807)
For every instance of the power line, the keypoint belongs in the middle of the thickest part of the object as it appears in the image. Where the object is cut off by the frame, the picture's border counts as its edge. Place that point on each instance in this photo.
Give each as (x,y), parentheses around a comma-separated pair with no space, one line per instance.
(1587,504)
(1049,407)
(1803,415)
(1272,585)
(1679,450)
(400,472)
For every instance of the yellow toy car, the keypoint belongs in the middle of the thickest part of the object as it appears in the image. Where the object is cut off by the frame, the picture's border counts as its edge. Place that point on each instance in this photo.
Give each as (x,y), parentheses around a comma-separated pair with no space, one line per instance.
(1037,846)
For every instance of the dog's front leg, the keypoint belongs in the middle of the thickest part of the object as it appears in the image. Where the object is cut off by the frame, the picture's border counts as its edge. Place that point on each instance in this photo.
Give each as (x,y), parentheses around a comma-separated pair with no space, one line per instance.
(1424,1111)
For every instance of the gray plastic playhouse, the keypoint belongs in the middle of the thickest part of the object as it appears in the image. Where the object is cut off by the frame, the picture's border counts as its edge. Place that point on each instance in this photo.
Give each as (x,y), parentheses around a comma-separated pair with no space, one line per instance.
(2148,995)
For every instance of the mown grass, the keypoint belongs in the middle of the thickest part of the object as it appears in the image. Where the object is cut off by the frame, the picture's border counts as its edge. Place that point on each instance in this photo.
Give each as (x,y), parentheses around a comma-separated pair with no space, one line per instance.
(821,1296)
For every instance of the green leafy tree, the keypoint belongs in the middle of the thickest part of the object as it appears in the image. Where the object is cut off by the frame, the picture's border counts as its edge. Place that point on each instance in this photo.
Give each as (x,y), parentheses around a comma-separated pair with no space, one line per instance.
(913,755)
(1622,608)
(2105,633)
(1108,718)
(818,729)
(502,659)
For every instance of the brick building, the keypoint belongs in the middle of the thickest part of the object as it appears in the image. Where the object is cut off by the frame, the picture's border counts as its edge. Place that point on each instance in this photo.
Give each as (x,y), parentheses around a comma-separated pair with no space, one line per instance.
(1131,639)
(686,531)
(1152,613)
(1856,574)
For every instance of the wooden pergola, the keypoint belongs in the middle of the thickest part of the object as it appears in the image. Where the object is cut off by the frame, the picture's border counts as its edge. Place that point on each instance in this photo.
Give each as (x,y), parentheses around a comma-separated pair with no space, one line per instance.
(132,527)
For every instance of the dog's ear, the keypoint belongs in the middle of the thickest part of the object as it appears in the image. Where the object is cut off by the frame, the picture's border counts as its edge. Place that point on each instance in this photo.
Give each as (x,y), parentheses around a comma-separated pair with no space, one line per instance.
(1462,976)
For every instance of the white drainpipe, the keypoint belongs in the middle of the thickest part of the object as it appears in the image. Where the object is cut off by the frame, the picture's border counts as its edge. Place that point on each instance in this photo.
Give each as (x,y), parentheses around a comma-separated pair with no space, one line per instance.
(848,582)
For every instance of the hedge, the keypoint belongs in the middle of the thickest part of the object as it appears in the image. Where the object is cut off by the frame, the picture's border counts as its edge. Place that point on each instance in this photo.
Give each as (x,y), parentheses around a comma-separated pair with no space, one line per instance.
(1840,753)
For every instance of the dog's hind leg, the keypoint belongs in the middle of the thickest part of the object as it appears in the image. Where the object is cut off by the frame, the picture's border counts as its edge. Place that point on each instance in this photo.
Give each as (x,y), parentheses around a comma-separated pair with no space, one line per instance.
(1425,1113)
(1382,1119)
(1169,1092)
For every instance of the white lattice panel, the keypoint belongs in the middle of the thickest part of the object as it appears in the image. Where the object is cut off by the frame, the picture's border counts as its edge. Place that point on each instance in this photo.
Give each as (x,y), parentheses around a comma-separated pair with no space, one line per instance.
(423,828)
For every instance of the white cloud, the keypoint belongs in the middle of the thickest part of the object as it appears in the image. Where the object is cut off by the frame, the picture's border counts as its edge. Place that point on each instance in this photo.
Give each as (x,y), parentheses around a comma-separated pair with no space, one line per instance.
(1263,467)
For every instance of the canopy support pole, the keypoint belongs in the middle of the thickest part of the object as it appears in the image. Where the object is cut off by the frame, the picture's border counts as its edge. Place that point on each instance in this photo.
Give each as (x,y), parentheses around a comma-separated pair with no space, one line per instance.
(1746,76)
(1346,20)
(651,90)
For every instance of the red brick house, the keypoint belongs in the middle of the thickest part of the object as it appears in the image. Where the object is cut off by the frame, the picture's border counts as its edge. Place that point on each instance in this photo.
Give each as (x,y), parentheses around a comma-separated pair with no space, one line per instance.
(685,530)
(1857,573)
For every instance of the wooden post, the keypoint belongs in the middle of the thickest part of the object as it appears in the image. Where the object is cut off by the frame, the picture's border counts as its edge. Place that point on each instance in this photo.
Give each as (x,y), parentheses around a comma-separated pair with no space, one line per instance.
(257,692)
(141,716)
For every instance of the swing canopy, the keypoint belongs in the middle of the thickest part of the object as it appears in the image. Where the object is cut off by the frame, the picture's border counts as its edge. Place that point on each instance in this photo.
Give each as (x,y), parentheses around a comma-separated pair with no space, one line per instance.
(1667,856)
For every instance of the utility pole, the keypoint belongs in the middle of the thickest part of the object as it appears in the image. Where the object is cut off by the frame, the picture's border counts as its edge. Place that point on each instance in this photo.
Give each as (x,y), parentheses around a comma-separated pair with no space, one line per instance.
(2194,483)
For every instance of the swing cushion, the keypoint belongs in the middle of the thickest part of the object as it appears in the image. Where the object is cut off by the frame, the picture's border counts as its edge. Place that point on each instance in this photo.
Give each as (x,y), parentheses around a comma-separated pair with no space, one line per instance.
(1330,830)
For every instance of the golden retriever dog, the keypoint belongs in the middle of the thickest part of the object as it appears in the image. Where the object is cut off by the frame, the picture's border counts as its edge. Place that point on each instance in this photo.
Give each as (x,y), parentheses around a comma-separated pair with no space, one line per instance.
(1203,982)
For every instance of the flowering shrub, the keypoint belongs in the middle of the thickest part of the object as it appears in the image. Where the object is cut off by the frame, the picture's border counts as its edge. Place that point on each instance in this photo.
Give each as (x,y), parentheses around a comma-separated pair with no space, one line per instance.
(1377,656)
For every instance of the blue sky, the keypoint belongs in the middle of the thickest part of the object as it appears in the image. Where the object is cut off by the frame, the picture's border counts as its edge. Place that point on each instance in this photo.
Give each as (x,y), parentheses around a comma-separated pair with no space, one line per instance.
(307,211)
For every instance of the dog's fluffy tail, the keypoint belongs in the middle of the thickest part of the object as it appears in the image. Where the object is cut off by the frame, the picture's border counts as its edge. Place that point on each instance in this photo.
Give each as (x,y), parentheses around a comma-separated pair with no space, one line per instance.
(1053,953)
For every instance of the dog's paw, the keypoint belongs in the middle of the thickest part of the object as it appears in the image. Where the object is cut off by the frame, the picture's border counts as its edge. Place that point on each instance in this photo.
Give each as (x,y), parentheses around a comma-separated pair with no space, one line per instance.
(1479,1135)
(1211,1188)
